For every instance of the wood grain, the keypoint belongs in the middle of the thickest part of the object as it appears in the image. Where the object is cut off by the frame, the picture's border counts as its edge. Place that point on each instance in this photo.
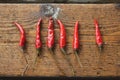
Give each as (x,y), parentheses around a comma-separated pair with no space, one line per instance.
(12,62)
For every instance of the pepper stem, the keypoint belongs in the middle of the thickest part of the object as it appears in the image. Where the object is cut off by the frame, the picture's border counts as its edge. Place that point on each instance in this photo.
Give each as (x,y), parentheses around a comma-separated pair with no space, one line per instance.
(52,54)
(78,59)
(38,52)
(25,70)
(35,60)
(26,62)
(68,60)
(24,57)
(100,48)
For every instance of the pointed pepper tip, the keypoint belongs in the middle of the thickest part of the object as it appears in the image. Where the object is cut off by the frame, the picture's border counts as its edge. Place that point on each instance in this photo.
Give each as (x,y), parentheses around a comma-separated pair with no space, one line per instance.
(58,21)
(40,19)
(77,22)
(39,22)
(95,21)
(51,18)
(15,23)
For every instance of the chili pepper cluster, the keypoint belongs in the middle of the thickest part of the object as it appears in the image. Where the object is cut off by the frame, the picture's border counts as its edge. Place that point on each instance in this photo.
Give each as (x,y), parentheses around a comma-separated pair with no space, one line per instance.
(62,40)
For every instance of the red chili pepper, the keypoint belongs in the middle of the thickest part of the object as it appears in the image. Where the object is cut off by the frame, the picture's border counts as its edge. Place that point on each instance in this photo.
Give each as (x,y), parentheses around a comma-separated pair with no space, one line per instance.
(76,37)
(50,42)
(63,44)
(22,42)
(50,38)
(38,42)
(62,34)
(98,35)
(76,42)
(22,33)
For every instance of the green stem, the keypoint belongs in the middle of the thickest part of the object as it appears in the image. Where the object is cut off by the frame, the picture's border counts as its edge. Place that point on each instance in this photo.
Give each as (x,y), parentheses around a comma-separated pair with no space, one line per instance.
(35,60)
(26,62)
(78,59)
(26,68)
(38,52)
(99,62)
(68,60)
(100,48)
(100,56)
(52,54)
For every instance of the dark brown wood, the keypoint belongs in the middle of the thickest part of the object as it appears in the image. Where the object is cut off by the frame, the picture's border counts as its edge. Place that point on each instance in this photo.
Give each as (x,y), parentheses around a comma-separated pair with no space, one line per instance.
(59,1)
(13,63)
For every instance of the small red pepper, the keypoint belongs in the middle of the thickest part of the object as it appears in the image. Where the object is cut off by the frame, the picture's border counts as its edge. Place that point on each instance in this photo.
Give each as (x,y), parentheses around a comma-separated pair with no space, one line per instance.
(63,44)
(22,33)
(22,43)
(38,42)
(76,37)
(98,35)
(76,42)
(50,38)
(50,42)
(62,35)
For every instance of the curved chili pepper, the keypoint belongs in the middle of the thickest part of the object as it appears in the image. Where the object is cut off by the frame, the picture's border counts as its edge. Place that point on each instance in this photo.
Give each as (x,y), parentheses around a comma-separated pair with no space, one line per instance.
(50,42)
(62,34)
(38,42)
(76,42)
(76,37)
(63,44)
(22,33)
(98,35)
(22,42)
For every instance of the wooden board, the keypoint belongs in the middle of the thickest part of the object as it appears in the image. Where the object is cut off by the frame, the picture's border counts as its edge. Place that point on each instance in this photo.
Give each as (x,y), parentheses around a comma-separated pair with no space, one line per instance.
(12,62)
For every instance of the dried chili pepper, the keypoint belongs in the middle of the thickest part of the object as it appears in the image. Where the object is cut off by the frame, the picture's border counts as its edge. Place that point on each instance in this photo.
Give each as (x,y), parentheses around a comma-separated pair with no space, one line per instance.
(50,38)
(63,44)
(22,42)
(76,42)
(99,41)
(22,33)
(98,36)
(38,42)
(50,42)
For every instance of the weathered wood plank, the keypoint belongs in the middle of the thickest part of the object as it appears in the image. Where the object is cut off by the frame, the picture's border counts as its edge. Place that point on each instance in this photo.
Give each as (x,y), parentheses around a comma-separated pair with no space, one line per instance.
(12,61)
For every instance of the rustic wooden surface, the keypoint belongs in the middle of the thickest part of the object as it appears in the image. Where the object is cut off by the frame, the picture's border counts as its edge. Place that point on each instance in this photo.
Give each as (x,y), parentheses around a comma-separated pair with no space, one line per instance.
(12,62)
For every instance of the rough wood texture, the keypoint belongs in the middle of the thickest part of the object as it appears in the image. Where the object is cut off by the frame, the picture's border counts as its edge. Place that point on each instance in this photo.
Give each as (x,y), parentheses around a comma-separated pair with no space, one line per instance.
(12,61)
